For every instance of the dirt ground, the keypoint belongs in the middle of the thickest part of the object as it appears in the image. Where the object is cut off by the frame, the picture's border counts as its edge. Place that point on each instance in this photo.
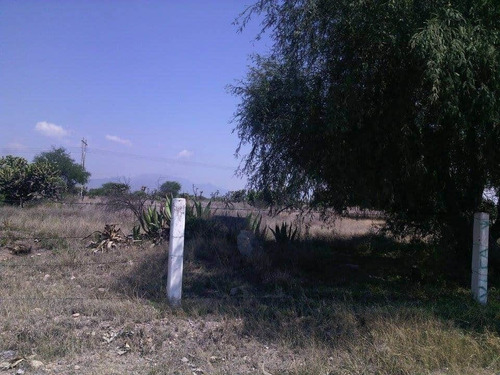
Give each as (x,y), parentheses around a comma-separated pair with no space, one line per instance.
(66,309)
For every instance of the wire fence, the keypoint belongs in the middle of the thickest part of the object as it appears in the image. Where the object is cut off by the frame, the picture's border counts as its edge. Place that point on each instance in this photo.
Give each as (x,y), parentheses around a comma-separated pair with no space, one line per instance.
(61,265)
(219,207)
(64,299)
(226,206)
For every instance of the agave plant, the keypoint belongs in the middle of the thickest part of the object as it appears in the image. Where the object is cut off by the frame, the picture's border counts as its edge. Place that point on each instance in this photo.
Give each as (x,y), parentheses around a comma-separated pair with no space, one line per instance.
(155,222)
(254,223)
(198,211)
(108,238)
(285,233)
(136,232)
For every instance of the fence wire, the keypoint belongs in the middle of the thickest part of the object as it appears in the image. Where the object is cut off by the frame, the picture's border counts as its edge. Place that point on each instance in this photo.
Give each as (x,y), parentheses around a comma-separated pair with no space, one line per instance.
(35,299)
(229,207)
(61,265)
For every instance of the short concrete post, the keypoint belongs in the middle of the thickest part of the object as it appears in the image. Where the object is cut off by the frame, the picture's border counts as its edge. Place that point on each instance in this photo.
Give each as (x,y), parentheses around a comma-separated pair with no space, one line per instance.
(176,251)
(479,282)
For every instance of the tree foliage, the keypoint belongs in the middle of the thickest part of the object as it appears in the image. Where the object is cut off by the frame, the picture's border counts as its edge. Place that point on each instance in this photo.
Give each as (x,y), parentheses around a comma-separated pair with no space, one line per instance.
(382,104)
(110,189)
(170,188)
(21,181)
(71,172)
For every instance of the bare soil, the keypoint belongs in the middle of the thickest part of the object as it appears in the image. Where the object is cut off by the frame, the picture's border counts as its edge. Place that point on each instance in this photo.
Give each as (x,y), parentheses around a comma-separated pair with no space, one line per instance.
(338,307)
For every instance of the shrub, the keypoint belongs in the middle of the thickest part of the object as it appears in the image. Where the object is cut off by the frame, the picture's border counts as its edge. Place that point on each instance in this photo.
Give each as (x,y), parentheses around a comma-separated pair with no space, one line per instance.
(21,181)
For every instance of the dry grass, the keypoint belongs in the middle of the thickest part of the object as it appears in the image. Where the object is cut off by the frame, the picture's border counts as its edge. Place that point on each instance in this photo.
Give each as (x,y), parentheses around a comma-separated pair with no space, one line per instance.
(310,225)
(84,313)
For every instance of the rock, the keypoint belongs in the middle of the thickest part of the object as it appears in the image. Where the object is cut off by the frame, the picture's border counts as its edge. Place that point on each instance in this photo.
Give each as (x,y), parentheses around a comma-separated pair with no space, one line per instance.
(36,364)
(246,243)
(77,367)
(123,349)
(46,277)
(234,291)
(20,372)
(184,360)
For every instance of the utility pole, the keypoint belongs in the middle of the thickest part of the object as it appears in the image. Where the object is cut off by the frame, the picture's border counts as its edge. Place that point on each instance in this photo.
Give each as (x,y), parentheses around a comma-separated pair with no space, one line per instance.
(84,152)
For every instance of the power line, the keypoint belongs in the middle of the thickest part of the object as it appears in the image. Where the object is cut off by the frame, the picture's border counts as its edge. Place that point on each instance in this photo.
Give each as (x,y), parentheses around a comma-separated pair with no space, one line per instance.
(93,150)
(160,159)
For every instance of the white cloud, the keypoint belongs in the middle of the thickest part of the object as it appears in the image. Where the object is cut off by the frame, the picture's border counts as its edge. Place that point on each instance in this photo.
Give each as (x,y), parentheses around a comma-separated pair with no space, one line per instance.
(184,154)
(16,146)
(114,138)
(50,130)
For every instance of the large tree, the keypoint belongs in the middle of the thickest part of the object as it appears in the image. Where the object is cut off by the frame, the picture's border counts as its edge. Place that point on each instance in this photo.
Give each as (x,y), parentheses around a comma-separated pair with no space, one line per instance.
(21,181)
(385,104)
(71,172)
(170,188)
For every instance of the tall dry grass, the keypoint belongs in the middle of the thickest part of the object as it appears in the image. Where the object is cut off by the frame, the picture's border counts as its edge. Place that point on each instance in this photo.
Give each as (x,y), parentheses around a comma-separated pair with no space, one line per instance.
(105,313)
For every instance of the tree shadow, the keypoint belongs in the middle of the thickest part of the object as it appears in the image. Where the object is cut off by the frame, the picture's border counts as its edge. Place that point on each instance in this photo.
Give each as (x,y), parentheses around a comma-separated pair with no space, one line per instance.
(322,289)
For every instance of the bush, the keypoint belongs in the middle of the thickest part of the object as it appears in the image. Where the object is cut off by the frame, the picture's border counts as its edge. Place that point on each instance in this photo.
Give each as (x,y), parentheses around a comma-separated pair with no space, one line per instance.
(110,189)
(170,188)
(21,181)
(70,172)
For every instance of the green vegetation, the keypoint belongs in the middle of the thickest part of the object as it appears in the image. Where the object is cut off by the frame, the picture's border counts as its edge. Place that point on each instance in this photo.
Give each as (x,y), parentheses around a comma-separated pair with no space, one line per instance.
(170,188)
(284,233)
(252,197)
(71,172)
(110,189)
(254,225)
(21,181)
(385,105)
(155,222)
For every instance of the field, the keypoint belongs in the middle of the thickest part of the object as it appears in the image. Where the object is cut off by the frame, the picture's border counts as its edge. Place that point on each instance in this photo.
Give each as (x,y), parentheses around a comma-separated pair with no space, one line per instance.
(342,300)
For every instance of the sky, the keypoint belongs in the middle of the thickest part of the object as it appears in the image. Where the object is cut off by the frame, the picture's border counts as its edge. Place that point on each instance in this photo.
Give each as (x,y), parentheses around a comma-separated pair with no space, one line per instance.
(144,82)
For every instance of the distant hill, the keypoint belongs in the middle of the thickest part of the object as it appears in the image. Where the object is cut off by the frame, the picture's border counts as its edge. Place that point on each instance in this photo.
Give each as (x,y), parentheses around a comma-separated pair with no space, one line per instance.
(153,181)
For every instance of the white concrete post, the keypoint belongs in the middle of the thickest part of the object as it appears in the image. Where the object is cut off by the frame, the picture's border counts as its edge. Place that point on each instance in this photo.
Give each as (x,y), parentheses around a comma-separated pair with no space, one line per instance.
(479,282)
(176,251)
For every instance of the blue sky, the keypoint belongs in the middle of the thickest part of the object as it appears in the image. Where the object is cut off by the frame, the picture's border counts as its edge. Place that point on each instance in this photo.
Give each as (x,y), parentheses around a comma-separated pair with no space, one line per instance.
(143,81)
